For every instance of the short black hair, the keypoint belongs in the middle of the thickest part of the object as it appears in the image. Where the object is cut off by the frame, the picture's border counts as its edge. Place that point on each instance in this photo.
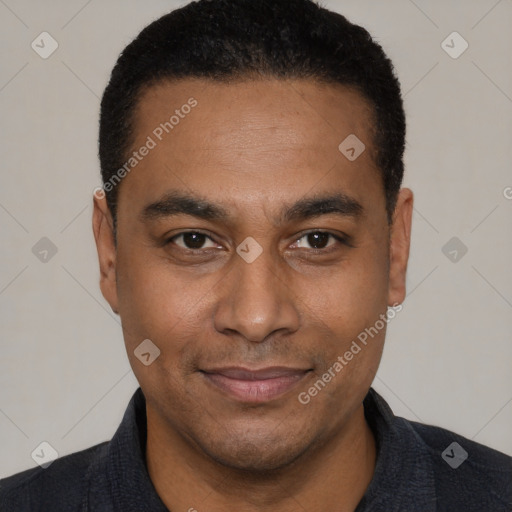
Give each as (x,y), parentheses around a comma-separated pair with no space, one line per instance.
(227,40)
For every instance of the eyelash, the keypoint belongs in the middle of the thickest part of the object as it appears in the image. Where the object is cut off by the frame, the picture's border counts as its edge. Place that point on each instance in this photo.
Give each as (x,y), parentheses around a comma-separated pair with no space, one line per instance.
(344,240)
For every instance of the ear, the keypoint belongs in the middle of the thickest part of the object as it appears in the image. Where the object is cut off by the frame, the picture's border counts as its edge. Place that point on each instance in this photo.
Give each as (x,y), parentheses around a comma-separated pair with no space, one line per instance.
(399,246)
(103,227)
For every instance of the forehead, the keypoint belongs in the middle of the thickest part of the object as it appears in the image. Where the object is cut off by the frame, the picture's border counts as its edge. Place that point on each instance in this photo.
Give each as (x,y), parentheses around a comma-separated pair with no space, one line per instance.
(260,137)
(267,114)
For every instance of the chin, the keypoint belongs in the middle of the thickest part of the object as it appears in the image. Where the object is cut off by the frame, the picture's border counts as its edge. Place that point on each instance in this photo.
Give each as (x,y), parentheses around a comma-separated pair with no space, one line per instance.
(256,455)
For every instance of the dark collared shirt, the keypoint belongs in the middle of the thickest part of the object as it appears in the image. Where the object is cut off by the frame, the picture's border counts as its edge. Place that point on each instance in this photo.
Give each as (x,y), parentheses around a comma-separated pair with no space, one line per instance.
(420,468)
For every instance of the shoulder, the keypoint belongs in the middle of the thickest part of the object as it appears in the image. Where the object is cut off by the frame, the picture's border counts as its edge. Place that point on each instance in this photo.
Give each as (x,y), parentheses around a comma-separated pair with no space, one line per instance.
(464,471)
(41,489)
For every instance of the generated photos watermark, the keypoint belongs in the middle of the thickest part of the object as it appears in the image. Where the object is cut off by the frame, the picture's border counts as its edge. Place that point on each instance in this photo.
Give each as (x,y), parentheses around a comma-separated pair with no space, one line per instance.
(157,135)
(355,348)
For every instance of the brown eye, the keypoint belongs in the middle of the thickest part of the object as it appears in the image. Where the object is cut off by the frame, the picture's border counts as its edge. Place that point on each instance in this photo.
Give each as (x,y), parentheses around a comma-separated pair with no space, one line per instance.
(192,240)
(318,240)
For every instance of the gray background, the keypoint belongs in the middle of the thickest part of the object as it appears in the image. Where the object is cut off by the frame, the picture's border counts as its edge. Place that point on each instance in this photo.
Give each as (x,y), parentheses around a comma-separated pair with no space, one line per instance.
(64,374)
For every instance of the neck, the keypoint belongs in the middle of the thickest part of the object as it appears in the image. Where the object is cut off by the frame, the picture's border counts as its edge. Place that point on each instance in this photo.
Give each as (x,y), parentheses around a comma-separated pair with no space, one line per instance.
(330,476)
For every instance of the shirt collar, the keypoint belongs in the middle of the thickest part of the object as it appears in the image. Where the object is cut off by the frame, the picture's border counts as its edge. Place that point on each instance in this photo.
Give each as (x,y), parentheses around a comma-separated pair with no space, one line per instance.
(404,475)
(123,475)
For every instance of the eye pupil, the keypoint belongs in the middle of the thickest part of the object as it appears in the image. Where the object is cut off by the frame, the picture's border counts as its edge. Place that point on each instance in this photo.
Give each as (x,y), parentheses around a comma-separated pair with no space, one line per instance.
(318,240)
(194,240)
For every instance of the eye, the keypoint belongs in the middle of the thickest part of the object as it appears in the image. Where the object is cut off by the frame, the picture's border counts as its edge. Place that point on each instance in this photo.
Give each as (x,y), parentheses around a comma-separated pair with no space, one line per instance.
(192,240)
(318,240)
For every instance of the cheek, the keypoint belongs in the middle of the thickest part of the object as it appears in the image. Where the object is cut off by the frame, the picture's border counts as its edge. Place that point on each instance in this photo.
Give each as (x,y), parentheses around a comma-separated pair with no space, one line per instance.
(156,302)
(353,294)
(349,306)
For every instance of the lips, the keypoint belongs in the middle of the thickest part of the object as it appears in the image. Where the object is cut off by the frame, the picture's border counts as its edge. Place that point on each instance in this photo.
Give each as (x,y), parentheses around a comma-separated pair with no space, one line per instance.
(255,386)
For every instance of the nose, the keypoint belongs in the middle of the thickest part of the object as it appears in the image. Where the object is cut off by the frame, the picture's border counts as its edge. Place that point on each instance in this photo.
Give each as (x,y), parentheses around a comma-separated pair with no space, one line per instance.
(256,301)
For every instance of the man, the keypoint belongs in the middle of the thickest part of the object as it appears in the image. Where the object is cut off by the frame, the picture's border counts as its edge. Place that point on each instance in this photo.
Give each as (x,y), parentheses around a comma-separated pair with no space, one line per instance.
(251,231)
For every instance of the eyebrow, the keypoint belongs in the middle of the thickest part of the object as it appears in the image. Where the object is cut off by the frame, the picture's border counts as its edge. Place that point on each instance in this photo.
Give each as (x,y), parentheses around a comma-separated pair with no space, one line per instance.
(338,204)
(179,203)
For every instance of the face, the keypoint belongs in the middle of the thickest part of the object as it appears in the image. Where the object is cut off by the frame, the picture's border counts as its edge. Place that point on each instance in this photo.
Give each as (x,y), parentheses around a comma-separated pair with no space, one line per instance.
(252,252)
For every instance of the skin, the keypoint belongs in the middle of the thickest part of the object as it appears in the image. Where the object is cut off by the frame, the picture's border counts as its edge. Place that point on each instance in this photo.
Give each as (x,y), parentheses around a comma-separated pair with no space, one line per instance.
(254,148)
